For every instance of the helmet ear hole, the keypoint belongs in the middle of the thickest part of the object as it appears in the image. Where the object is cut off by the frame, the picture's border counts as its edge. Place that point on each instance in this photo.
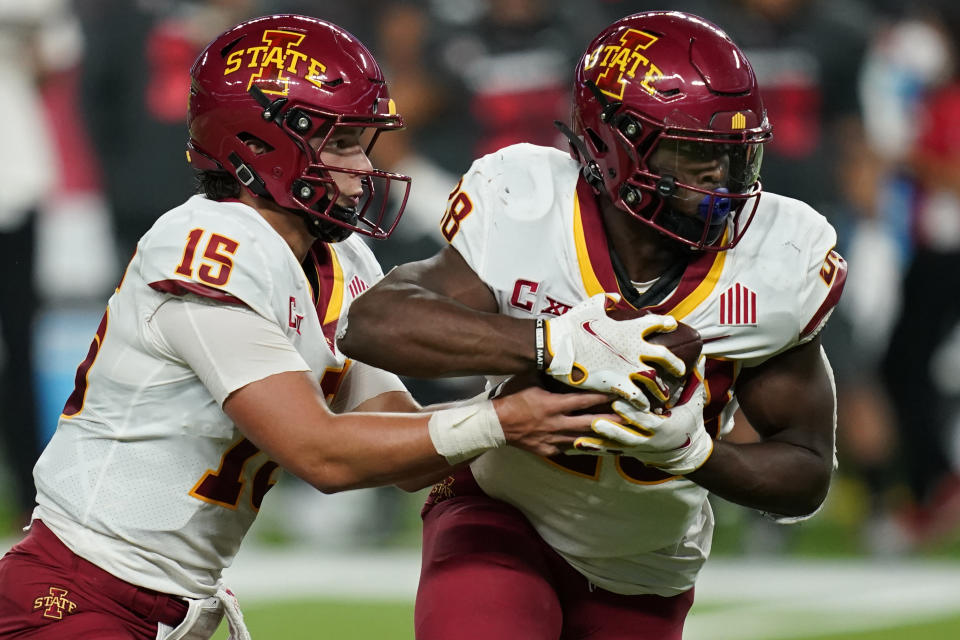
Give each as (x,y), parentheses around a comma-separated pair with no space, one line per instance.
(258,146)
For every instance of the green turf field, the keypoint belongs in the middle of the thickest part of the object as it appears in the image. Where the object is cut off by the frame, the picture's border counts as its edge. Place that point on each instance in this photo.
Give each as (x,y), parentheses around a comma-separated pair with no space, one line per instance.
(358,620)
(313,619)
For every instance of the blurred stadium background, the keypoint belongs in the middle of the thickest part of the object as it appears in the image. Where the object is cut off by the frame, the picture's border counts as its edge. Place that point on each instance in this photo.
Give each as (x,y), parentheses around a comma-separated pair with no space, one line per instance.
(864,96)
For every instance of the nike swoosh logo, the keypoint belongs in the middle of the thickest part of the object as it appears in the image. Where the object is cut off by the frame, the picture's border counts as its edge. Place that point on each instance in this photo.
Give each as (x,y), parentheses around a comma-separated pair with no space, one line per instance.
(715,338)
(685,444)
(586,326)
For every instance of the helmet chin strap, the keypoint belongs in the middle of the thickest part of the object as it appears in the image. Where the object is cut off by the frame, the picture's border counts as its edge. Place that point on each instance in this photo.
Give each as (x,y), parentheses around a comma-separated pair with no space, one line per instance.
(327,231)
(589,168)
(714,208)
(319,228)
(691,227)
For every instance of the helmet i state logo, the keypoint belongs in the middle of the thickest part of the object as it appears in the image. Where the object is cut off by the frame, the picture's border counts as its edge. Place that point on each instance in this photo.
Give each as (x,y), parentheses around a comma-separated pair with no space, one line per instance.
(278,55)
(621,63)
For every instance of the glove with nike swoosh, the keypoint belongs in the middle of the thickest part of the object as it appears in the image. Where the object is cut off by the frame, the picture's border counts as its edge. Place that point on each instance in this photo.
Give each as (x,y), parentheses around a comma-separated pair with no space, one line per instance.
(674,441)
(590,350)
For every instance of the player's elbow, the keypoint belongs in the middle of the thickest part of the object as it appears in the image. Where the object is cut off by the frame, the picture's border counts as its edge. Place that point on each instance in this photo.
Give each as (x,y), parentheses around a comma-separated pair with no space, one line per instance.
(819,476)
(818,494)
(804,508)
(332,488)
(330,474)
(410,486)
(333,480)
(810,497)
(804,478)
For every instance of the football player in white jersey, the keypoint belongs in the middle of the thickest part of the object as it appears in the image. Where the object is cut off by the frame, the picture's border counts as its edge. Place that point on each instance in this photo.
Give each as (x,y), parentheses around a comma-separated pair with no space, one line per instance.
(215,361)
(660,204)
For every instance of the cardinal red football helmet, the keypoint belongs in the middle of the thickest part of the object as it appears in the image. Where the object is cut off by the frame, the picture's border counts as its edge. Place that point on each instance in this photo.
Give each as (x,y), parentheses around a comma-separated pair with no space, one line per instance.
(672,125)
(282,80)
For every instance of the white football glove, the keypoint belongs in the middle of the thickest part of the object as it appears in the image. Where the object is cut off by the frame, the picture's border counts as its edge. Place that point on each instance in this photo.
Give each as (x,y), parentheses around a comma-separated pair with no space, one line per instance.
(610,356)
(675,441)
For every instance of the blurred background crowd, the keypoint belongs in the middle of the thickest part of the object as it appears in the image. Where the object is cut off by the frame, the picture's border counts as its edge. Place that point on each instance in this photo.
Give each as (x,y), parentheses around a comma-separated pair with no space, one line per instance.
(864,97)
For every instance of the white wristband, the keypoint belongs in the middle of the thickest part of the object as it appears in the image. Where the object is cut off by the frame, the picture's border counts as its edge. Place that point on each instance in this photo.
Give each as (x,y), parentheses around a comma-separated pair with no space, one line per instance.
(463,432)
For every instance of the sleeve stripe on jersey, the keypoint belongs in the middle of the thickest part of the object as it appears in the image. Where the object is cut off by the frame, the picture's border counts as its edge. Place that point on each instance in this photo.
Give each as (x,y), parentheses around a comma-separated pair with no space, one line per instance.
(182,287)
(833,296)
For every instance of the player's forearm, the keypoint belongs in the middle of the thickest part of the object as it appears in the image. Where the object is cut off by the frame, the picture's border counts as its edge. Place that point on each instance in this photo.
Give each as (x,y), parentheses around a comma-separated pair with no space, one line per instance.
(356,450)
(771,476)
(410,331)
(284,416)
(363,450)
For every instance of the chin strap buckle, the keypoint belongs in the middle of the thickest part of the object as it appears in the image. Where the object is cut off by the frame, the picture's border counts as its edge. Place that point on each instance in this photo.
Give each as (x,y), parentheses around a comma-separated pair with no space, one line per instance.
(588,167)
(247,176)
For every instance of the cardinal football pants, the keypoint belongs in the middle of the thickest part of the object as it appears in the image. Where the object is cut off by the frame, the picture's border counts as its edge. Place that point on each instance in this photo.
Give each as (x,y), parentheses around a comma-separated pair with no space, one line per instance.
(49,593)
(487,574)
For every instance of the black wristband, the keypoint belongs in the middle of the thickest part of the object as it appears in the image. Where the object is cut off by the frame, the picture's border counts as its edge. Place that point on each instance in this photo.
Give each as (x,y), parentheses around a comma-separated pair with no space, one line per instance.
(539,343)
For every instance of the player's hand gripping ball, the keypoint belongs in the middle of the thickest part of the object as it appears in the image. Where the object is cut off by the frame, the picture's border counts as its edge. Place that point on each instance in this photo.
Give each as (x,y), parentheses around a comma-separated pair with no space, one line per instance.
(675,441)
(589,349)
(661,390)
(684,342)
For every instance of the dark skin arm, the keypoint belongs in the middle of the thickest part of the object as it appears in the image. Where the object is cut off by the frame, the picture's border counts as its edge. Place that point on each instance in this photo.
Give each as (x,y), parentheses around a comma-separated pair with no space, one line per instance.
(789,401)
(427,312)
(413,308)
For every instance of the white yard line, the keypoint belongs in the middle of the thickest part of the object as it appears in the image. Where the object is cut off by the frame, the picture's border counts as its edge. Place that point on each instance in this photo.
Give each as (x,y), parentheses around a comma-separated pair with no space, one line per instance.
(281,574)
(765,600)
(745,599)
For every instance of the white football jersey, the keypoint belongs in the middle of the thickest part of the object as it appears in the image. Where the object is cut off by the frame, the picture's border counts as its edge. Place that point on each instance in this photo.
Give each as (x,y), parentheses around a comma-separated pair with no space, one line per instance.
(531,230)
(146,476)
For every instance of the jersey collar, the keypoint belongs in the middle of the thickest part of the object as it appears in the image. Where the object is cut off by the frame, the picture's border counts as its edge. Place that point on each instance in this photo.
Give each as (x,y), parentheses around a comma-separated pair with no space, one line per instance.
(329,297)
(598,274)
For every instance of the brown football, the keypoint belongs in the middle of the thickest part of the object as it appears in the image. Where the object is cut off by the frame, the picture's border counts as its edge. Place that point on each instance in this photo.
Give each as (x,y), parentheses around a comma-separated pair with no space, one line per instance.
(684,342)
